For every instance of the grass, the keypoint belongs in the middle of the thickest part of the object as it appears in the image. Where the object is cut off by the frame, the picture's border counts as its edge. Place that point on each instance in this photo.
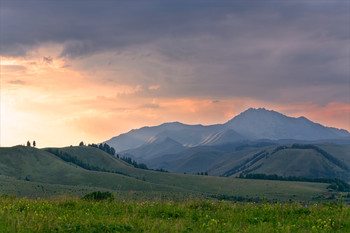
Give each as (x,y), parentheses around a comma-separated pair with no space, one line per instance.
(202,184)
(73,215)
(35,173)
(299,162)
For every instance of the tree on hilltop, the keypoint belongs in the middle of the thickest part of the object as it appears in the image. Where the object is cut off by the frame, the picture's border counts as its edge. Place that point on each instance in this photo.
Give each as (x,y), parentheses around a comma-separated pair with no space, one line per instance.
(28,143)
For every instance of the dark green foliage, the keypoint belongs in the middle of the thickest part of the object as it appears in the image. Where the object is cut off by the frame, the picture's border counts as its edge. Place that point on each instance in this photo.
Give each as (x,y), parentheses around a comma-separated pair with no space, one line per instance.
(98,196)
(138,165)
(248,162)
(161,170)
(105,147)
(236,198)
(201,173)
(134,163)
(34,144)
(28,143)
(73,159)
(81,143)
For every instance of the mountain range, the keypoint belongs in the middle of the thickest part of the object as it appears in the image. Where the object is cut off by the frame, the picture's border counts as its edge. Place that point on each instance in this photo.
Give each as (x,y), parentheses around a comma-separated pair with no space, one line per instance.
(252,124)
(247,143)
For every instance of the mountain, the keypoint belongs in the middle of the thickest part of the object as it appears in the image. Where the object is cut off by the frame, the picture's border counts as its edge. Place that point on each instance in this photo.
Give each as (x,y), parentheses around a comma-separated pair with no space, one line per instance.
(147,143)
(261,123)
(154,148)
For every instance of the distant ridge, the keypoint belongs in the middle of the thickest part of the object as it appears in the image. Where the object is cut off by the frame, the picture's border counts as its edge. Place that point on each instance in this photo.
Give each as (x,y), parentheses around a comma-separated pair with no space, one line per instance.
(252,124)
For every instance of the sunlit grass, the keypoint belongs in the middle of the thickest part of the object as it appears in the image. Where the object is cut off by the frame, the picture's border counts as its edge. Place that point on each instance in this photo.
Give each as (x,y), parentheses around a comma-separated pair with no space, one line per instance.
(73,215)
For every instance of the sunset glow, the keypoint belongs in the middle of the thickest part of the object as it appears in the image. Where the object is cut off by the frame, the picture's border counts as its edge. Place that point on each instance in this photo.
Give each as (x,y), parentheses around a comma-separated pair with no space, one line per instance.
(65,88)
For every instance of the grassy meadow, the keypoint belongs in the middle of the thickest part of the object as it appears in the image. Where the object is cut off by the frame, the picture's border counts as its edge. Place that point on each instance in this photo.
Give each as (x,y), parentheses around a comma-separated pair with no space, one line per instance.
(74,215)
(42,193)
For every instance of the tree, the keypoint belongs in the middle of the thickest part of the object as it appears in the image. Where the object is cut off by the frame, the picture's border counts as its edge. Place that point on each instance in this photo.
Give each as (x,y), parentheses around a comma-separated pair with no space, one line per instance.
(81,143)
(34,144)
(112,151)
(28,143)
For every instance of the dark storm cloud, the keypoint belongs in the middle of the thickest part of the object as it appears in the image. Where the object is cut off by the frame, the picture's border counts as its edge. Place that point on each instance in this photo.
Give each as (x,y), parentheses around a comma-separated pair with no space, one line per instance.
(232,48)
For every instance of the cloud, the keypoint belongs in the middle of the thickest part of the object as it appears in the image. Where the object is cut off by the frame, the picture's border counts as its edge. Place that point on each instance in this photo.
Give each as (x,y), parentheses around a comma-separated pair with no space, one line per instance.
(12,68)
(47,60)
(216,49)
(16,82)
(150,106)
(191,61)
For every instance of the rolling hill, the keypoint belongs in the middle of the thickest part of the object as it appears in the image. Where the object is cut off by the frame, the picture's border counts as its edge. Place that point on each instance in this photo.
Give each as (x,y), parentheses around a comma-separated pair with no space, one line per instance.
(294,160)
(310,160)
(31,164)
(28,168)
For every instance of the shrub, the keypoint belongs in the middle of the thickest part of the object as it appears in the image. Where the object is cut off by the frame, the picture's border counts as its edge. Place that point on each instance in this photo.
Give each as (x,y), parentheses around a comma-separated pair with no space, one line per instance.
(98,196)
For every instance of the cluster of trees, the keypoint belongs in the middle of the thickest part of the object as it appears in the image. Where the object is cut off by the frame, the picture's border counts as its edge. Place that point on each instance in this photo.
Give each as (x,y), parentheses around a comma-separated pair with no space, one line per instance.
(72,159)
(248,162)
(139,165)
(134,163)
(201,173)
(29,145)
(160,170)
(335,183)
(236,198)
(105,147)
(110,150)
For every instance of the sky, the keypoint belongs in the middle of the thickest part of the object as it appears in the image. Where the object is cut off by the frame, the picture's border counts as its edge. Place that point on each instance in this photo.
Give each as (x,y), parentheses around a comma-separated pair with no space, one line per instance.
(74,71)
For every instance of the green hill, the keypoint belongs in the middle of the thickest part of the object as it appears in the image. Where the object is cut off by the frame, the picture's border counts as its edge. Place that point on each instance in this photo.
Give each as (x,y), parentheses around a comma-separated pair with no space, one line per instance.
(30,165)
(294,160)
(26,163)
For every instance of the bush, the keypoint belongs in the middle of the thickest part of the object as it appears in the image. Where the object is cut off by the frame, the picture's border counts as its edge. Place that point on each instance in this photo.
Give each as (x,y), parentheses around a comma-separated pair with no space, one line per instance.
(98,196)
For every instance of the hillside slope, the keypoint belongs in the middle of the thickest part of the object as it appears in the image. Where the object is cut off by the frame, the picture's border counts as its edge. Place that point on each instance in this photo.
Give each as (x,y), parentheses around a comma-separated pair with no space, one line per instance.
(34,165)
(26,163)
(293,160)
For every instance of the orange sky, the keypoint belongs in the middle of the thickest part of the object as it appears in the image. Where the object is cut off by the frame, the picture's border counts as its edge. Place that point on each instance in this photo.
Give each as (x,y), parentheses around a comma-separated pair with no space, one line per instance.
(56,105)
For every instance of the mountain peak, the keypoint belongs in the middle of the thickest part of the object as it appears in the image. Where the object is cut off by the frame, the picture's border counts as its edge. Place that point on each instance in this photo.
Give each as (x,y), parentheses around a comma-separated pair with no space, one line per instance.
(268,124)
(252,124)
(257,112)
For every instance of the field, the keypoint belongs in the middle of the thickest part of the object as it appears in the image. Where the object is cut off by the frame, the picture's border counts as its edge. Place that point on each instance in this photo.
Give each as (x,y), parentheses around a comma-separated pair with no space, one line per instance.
(73,215)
